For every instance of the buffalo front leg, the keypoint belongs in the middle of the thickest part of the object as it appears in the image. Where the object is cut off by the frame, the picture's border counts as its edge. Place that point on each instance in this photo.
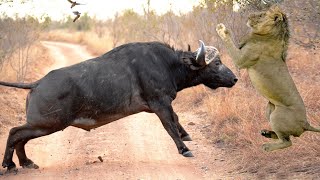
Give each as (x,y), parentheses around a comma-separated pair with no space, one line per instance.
(166,114)
(183,133)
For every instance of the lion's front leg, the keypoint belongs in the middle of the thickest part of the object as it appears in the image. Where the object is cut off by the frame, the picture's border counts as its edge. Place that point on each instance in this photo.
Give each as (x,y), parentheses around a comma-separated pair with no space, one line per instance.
(234,52)
(243,58)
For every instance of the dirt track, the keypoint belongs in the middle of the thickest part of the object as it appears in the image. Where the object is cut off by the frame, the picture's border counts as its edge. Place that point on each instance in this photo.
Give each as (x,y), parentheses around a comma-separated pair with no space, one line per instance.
(136,147)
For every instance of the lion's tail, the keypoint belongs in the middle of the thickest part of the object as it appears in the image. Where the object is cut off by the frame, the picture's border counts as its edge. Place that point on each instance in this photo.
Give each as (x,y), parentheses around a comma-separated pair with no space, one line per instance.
(310,128)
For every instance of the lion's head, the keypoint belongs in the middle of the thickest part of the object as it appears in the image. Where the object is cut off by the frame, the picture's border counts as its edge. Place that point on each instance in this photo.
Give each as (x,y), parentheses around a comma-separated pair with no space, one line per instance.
(272,23)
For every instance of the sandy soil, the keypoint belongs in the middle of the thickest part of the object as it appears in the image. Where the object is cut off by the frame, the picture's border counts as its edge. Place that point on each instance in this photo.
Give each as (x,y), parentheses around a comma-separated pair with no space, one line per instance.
(135,147)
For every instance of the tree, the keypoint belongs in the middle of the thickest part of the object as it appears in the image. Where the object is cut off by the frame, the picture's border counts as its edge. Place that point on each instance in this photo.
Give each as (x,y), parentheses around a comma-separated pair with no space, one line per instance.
(17,36)
(304,21)
(25,32)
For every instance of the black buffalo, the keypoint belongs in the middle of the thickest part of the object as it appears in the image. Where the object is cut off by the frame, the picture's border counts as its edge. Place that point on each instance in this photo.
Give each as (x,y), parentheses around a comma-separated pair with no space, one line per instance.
(129,79)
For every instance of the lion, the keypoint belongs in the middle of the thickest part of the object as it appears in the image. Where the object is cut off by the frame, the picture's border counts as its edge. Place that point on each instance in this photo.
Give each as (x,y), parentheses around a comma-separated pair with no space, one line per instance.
(263,54)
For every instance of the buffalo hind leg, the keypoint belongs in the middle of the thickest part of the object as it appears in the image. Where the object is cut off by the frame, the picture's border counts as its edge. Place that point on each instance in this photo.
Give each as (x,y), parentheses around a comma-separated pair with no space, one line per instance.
(166,115)
(22,134)
(183,133)
(23,160)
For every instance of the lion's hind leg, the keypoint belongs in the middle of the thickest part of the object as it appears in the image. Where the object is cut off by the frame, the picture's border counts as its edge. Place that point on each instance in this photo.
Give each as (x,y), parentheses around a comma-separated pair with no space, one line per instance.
(269,134)
(283,142)
(270,108)
(283,123)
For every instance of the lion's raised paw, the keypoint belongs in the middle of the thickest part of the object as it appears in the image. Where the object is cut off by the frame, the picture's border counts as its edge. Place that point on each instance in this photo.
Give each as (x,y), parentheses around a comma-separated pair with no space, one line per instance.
(222,30)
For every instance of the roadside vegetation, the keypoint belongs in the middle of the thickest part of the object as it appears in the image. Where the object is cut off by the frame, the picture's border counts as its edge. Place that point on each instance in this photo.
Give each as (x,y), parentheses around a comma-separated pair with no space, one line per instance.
(233,117)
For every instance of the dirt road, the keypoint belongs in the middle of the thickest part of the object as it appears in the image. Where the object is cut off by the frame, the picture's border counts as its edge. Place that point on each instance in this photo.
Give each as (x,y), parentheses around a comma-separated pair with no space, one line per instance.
(136,147)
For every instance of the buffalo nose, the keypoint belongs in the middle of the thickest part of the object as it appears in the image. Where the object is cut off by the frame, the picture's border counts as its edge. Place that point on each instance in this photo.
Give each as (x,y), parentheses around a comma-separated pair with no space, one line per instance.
(235,80)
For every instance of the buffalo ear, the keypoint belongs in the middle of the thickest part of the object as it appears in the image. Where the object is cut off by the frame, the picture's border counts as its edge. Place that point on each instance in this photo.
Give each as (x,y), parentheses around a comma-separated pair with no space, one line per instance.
(191,62)
(197,60)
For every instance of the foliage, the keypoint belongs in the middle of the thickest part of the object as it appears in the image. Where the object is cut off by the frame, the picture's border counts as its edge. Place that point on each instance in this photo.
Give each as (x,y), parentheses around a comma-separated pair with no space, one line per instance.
(305,21)
(182,29)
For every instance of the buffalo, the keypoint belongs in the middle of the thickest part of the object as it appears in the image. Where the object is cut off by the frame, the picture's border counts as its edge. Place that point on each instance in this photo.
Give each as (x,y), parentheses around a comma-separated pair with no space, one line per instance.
(131,78)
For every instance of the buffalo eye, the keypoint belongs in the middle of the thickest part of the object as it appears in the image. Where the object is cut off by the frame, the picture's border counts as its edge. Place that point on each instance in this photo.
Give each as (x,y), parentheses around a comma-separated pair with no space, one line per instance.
(217,63)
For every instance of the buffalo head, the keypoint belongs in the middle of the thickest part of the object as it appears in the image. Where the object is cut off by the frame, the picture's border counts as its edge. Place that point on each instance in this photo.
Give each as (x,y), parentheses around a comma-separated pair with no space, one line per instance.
(210,70)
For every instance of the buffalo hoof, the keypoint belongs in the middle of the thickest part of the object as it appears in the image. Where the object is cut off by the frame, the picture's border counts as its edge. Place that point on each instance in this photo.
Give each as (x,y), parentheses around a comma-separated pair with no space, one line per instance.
(30,165)
(13,170)
(186,138)
(187,154)
(11,167)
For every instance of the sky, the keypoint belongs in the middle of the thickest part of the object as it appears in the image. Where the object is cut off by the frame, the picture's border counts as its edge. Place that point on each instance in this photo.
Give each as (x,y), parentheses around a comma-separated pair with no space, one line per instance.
(102,9)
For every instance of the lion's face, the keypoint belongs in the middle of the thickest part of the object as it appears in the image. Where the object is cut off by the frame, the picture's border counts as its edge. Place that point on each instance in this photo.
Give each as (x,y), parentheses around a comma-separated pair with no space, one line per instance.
(264,23)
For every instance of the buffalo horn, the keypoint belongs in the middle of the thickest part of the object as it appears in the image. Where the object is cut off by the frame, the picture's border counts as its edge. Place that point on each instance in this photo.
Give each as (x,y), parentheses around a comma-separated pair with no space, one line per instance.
(201,54)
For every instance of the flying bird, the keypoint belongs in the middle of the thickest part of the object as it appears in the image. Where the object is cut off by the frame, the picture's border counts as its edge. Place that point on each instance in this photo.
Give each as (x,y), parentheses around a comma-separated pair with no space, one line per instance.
(73,3)
(77,15)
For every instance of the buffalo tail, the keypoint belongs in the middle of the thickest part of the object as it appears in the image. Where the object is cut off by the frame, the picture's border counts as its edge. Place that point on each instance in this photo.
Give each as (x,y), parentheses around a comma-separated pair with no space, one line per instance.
(20,85)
